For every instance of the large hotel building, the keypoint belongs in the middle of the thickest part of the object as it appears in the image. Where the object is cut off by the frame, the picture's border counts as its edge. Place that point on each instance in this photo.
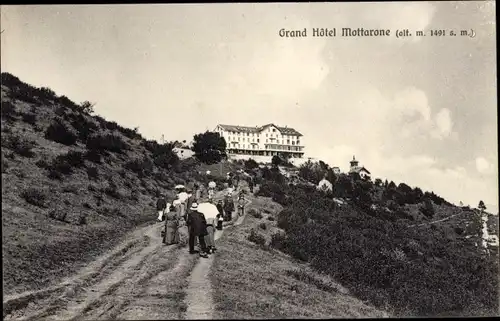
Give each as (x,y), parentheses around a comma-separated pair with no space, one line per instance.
(268,140)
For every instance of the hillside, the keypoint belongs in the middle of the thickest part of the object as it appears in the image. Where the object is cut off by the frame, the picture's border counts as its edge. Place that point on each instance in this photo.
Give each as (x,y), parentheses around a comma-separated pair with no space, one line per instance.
(410,251)
(73,184)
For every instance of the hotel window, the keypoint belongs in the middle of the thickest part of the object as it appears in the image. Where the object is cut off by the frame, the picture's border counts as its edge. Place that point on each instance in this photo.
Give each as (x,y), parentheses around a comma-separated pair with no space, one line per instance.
(274,130)
(288,141)
(293,143)
(266,140)
(257,140)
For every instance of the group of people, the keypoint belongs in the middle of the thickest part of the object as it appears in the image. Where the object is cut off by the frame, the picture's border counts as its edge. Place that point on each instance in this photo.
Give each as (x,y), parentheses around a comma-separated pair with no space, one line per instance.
(185,210)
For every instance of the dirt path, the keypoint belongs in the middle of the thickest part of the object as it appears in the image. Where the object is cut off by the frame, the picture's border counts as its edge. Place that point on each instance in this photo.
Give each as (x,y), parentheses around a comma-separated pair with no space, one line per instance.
(141,278)
(110,286)
(199,298)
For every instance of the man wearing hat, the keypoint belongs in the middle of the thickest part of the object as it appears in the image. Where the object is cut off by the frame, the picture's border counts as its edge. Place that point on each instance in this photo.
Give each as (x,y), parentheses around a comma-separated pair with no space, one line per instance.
(197,227)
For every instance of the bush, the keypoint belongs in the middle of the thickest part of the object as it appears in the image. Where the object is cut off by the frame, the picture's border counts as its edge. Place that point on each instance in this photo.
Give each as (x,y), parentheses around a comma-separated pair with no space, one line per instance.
(29,118)
(256,238)
(255,213)
(270,218)
(142,167)
(92,172)
(58,215)
(277,241)
(263,226)
(19,146)
(83,126)
(112,190)
(82,219)
(73,158)
(60,165)
(8,111)
(34,197)
(61,133)
(93,156)
(251,164)
(106,142)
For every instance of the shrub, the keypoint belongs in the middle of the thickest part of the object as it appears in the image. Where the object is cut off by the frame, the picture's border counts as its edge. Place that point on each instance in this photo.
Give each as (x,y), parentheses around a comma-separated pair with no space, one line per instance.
(255,213)
(263,225)
(93,156)
(29,118)
(256,238)
(34,197)
(8,111)
(277,241)
(73,158)
(60,111)
(142,167)
(112,190)
(19,146)
(92,172)
(54,174)
(106,142)
(42,163)
(82,219)
(134,195)
(61,133)
(83,126)
(58,215)
(270,218)
(60,165)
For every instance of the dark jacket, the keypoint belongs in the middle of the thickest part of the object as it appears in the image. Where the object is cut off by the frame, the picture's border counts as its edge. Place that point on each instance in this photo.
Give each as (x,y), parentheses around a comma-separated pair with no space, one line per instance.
(197,223)
(220,208)
(161,204)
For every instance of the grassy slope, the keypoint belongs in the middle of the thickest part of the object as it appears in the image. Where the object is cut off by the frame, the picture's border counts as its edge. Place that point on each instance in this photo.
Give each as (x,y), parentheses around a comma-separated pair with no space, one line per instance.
(38,250)
(251,282)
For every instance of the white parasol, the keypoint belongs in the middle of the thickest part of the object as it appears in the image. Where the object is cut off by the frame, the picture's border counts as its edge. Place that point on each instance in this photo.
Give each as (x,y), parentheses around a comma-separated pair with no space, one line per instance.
(179,186)
(208,172)
(212,184)
(209,210)
(183,196)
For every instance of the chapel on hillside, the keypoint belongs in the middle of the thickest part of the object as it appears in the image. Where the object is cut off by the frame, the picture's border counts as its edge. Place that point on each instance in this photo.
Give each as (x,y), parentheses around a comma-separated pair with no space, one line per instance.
(355,168)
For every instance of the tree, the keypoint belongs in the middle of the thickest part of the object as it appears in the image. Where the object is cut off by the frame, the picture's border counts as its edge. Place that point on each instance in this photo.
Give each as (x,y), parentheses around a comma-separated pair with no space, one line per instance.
(391,185)
(209,147)
(481,206)
(87,107)
(378,182)
(428,208)
(251,164)
(276,161)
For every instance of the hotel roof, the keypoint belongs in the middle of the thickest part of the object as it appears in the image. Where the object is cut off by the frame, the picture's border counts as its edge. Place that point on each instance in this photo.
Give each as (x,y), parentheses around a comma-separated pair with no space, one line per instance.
(257,129)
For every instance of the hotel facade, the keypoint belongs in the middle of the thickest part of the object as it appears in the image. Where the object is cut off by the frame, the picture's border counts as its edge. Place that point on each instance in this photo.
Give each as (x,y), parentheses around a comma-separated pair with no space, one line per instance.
(262,141)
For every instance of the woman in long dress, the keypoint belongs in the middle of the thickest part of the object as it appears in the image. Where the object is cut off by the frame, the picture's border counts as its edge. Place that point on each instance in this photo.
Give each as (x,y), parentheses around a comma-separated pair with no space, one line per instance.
(172,226)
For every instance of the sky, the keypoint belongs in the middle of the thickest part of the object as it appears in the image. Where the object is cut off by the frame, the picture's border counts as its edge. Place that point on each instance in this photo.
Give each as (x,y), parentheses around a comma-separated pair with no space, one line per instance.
(419,110)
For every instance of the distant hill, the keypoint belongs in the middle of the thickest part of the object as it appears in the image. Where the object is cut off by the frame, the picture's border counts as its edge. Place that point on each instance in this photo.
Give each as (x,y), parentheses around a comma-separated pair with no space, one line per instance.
(73,183)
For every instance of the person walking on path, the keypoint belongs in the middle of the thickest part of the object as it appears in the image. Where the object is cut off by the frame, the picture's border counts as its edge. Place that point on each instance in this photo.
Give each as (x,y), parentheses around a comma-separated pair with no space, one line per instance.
(250,184)
(241,204)
(197,227)
(171,227)
(161,205)
(211,219)
(228,208)
(220,216)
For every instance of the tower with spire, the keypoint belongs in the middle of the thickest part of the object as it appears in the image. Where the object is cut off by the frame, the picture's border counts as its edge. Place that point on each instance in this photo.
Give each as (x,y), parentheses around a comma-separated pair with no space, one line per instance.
(354,164)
